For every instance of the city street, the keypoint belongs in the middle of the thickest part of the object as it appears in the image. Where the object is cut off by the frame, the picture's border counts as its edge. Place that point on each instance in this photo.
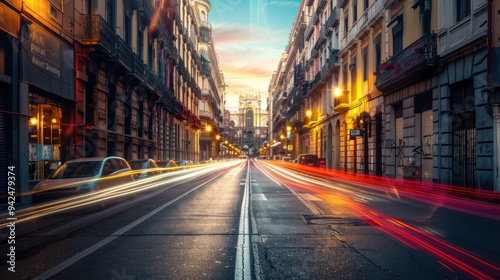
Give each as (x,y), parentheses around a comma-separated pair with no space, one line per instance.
(255,219)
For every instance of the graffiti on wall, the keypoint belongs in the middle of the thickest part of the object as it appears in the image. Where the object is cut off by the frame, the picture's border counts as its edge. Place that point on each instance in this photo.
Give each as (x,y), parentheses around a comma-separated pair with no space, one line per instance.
(406,162)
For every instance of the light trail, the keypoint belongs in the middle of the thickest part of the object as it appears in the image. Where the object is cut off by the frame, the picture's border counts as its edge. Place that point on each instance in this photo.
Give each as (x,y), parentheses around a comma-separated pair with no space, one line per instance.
(447,254)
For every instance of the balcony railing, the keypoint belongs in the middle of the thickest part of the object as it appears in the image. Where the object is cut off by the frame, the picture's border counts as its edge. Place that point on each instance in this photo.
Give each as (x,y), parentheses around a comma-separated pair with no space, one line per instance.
(310,27)
(206,25)
(138,67)
(146,11)
(98,33)
(409,65)
(361,25)
(205,114)
(151,79)
(333,61)
(332,20)
(124,53)
(321,5)
(205,69)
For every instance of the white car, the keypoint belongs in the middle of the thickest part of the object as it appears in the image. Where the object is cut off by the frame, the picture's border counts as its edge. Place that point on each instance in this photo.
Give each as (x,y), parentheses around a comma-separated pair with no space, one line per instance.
(83,175)
(145,165)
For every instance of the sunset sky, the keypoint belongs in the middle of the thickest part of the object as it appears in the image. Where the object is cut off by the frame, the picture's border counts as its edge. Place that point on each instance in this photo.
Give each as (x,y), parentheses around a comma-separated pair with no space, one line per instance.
(249,37)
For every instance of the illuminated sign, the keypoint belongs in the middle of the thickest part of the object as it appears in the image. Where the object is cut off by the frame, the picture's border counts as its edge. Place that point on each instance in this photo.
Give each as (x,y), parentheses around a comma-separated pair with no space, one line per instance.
(356,132)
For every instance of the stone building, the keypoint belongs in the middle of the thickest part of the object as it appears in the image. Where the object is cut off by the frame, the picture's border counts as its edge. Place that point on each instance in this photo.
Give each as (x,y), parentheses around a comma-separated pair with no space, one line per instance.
(403,89)
(247,129)
(98,78)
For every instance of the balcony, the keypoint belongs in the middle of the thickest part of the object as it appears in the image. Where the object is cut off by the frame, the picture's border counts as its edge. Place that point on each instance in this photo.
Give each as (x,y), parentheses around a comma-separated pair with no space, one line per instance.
(321,5)
(195,121)
(205,69)
(145,11)
(408,66)
(151,80)
(184,113)
(333,61)
(138,67)
(124,54)
(362,25)
(333,19)
(99,34)
(206,25)
(341,103)
(315,82)
(314,52)
(206,115)
(206,93)
(310,27)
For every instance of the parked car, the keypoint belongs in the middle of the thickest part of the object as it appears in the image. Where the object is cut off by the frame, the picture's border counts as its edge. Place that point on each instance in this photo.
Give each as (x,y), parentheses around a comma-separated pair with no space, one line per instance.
(146,165)
(286,159)
(169,164)
(83,175)
(307,159)
(183,163)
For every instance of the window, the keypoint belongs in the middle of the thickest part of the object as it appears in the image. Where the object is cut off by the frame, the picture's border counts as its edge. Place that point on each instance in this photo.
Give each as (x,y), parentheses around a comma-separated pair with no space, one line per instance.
(365,64)
(150,124)
(110,12)
(140,44)
(366,4)
(344,76)
(378,50)
(397,36)
(346,22)
(128,30)
(150,55)
(354,10)
(249,118)
(128,113)
(463,9)
(111,107)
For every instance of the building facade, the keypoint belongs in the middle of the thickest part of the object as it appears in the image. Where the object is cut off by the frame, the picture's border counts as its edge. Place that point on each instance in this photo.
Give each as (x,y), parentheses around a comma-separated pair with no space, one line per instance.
(403,89)
(211,81)
(99,78)
(247,129)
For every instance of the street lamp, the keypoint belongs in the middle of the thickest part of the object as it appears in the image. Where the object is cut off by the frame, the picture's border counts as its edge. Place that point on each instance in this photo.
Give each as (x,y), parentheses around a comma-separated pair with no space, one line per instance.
(288,137)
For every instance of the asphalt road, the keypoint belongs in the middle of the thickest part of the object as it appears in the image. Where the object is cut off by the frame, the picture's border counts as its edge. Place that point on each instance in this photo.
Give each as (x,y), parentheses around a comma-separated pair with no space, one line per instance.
(252,220)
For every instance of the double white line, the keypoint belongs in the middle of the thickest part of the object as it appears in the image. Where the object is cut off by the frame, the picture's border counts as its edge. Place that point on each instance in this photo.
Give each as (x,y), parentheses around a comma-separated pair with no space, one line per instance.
(242,268)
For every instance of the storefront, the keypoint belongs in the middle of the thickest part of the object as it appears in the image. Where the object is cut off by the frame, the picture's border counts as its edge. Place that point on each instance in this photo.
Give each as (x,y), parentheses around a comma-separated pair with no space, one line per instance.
(48,83)
(44,136)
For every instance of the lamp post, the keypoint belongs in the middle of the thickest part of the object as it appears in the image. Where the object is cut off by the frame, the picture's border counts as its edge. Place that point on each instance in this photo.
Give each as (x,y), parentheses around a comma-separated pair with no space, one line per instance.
(288,136)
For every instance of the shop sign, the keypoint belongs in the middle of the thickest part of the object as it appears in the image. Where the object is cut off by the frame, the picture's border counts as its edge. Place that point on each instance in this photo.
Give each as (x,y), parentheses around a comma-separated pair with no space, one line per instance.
(47,62)
(356,133)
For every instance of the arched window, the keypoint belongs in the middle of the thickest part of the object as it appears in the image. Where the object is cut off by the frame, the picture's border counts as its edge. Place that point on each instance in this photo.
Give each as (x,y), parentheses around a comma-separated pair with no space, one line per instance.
(249,118)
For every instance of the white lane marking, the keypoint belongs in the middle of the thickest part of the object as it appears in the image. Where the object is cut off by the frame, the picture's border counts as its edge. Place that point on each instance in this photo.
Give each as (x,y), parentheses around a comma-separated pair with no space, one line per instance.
(62,266)
(310,197)
(259,196)
(242,268)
